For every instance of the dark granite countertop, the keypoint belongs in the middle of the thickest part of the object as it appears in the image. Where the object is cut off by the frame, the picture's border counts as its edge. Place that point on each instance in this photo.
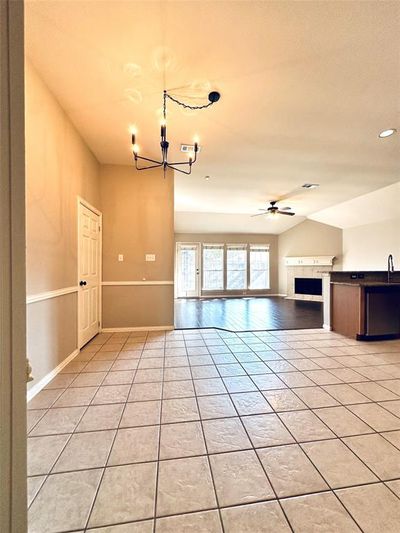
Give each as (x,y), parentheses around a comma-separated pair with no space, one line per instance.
(361,283)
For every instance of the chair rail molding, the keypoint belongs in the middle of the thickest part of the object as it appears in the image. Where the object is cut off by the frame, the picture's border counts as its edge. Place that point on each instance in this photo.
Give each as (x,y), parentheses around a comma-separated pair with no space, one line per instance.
(139,282)
(39,297)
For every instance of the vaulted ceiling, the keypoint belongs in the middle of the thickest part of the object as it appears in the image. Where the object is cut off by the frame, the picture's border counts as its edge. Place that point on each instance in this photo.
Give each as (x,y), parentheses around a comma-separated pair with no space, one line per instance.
(306,88)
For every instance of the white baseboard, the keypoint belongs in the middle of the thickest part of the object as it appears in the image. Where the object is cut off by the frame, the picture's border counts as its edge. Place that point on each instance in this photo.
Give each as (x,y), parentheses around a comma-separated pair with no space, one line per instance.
(140,328)
(37,387)
(327,327)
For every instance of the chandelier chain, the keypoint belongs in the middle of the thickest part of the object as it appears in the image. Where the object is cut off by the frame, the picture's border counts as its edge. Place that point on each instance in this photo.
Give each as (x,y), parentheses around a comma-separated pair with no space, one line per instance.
(186,106)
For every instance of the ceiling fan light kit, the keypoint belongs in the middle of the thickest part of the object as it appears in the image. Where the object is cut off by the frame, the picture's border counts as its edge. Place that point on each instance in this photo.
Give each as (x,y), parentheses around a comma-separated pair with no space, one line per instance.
(180,166)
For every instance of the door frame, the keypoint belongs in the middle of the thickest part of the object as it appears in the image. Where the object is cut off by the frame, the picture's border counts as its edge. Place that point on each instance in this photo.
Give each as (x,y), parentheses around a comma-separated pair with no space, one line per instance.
(13,440)
(199,257)
(85,203)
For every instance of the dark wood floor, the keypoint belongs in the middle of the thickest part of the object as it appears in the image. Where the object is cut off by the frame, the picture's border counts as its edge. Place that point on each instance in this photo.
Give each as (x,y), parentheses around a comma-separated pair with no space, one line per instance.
(242,314)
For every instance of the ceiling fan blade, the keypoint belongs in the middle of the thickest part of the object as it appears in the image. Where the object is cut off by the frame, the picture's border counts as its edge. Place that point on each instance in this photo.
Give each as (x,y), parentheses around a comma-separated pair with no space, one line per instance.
(286,213)
(259,214)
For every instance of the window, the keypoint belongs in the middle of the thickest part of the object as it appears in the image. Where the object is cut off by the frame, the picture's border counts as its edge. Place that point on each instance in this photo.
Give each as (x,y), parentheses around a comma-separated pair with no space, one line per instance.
(236,267)
(225,267)
(213,267)
(259,267)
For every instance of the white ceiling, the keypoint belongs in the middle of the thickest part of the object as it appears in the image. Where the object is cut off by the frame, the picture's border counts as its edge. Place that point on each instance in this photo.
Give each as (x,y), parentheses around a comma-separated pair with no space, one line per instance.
(373,207)
(306,87)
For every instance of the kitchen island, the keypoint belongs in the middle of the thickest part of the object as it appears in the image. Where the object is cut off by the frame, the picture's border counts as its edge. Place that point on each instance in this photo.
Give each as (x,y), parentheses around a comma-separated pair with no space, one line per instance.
(365,305)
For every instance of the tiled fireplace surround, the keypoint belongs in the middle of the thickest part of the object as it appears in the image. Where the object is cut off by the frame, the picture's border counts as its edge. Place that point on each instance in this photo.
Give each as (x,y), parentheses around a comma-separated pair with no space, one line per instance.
(316,271)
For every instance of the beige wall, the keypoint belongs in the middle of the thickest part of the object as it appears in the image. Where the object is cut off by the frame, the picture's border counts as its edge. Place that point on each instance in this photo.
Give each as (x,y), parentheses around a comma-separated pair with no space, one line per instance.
(240,238)
(138,219)
(59,167)
(367,247)
(305,239)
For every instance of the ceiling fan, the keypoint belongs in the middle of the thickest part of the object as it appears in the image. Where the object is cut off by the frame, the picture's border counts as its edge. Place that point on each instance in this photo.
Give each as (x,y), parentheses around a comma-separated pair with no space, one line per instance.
(274,210)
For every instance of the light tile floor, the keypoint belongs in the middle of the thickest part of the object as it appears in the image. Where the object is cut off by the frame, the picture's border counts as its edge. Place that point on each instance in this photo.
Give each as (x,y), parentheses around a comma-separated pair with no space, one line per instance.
(211,431)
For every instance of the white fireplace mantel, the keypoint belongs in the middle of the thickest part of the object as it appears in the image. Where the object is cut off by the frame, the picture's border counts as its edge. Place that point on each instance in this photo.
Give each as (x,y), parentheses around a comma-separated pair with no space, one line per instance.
(322,260)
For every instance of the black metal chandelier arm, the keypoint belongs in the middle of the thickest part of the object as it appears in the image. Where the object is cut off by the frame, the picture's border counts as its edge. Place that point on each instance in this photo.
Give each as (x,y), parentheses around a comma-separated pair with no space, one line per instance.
(190,162)
(150,166)
(181,163)
(147,159)
(180,170)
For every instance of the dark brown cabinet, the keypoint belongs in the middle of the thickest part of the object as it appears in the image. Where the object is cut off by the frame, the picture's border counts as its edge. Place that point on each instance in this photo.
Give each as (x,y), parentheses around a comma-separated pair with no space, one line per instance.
(365,310)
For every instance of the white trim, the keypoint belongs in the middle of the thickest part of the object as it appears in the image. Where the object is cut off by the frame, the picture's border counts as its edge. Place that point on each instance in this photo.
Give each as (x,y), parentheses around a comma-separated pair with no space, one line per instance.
(140,328)
(128,283)
(35,389)
(89,206)
(39,297)
(327,327)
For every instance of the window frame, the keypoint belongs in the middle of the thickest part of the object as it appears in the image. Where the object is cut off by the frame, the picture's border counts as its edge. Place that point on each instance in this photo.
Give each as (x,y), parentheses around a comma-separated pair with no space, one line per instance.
(225,246)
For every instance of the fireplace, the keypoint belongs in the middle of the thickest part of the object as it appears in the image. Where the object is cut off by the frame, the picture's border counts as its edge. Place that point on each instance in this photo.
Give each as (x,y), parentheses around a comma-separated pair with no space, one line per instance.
(311,286)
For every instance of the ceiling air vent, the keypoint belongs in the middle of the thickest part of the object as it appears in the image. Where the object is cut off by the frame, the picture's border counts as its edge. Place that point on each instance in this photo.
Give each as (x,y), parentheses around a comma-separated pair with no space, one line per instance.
(186,148)
(310,185)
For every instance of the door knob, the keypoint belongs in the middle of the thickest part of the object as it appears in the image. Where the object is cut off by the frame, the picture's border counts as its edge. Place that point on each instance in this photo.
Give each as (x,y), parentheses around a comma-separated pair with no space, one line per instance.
(81,283)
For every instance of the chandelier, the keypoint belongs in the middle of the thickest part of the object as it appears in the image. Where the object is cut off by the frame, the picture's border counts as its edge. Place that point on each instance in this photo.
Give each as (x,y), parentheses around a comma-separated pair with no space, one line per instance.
(181,166)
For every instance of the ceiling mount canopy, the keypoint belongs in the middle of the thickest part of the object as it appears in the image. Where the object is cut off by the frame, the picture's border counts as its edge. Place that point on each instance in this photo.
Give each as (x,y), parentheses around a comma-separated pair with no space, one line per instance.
(185,166)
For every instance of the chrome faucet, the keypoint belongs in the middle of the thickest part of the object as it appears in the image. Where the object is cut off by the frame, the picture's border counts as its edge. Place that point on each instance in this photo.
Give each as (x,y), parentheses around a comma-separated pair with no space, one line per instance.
(390,269)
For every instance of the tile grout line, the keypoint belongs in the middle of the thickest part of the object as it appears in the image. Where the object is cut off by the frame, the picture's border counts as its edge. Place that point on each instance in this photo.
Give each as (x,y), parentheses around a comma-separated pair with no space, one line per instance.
(91,508)
(158,451)
(207,453)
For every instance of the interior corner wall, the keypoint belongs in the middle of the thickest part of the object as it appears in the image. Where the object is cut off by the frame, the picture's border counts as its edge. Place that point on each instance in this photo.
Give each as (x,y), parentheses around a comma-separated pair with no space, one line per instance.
(308,238)
(138,219)
(240,238)
(367,247)
(59,167)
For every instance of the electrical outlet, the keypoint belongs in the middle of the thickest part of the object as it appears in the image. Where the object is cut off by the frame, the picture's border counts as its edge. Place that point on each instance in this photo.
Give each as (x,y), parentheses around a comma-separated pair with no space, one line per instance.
(150,257)
(120,257)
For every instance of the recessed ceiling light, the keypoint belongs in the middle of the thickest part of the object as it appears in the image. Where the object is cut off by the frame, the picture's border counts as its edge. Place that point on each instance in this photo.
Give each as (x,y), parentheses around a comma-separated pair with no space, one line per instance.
(310,185)
(387,133)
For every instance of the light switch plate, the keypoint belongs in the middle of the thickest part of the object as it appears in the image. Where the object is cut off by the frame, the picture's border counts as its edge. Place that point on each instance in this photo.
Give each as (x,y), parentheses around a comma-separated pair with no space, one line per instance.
(120,257)
(150,257)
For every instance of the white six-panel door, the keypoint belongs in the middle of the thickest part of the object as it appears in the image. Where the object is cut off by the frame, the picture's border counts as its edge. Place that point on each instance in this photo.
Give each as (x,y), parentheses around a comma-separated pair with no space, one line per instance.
(89,262)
